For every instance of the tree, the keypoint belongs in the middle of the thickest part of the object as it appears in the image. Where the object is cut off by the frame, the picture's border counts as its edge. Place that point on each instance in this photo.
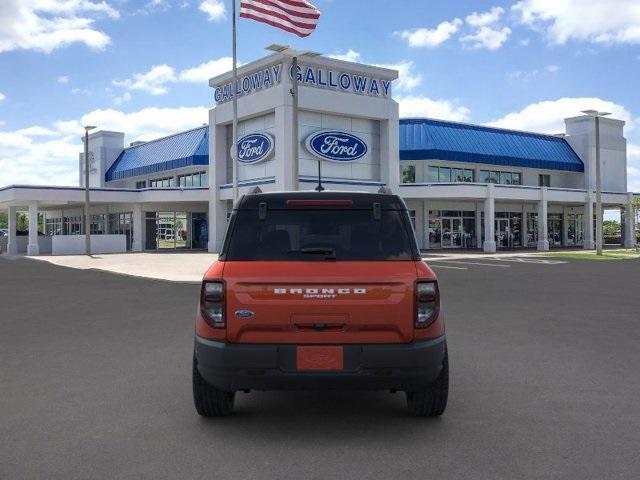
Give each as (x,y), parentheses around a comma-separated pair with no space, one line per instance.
(610,228)
(22,223)
(3,220)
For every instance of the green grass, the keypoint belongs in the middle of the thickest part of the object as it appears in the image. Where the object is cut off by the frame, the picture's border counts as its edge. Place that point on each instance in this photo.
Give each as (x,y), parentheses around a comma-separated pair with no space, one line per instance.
(620,254)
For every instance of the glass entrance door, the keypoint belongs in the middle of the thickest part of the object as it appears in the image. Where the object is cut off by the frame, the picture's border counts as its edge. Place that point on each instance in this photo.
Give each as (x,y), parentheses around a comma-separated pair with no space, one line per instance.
(166,231)
(504,237)
(451,232)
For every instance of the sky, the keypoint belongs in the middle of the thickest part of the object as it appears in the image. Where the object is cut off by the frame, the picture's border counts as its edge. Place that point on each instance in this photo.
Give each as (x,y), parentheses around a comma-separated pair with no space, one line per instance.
(141,66)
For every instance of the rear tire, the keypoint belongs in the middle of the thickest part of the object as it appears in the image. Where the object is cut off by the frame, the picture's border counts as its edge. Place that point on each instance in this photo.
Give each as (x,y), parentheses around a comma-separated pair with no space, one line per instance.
(208,400)
(432,401)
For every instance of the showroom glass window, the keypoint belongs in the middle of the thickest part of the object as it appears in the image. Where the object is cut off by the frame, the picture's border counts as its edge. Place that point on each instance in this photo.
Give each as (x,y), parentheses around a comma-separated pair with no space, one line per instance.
(448,174)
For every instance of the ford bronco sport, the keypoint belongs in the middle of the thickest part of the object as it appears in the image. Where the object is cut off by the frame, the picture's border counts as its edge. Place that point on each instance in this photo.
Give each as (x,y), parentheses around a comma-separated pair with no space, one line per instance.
(318,291)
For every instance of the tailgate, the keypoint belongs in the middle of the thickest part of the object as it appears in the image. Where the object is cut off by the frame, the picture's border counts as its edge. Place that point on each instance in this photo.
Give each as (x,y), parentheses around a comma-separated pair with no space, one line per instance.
(320,302)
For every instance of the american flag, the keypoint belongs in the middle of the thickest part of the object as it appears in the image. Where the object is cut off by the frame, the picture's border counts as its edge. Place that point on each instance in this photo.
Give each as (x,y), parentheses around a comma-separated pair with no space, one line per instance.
(295,16)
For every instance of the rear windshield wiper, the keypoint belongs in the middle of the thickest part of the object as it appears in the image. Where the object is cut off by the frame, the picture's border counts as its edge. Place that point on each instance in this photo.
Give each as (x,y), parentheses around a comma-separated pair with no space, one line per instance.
(330,253)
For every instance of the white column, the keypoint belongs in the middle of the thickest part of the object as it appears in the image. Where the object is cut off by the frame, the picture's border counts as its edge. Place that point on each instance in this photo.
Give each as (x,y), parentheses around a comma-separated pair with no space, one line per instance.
(32,246)
(478,226)
(138,219)
(629,224)
(12,246)
(489,245)
(543,240)
(283,140)
(218,176)
(589,242)
(390,150)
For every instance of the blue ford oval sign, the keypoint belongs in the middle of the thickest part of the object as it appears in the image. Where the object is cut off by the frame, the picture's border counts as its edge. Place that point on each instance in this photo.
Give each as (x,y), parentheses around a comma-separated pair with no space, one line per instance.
(255,147)
(336,146)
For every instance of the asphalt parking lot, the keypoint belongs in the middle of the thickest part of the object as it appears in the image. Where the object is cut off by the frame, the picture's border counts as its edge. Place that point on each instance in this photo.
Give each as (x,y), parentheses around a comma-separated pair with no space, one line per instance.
(95,383)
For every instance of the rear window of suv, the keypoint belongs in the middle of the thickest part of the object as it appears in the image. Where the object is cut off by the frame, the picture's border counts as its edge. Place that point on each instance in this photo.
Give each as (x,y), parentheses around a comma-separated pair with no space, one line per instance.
(315,234)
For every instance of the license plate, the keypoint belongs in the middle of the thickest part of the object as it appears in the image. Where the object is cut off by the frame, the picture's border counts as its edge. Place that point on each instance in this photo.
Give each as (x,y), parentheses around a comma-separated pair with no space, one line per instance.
(320,358)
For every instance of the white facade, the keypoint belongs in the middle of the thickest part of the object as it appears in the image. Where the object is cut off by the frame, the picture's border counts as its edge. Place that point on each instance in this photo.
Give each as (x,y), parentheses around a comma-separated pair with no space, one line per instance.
(186,205)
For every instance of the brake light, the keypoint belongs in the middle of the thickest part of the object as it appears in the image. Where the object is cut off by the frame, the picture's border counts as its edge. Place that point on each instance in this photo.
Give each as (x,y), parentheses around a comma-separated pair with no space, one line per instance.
(427,303)
(320,203)
(212,303)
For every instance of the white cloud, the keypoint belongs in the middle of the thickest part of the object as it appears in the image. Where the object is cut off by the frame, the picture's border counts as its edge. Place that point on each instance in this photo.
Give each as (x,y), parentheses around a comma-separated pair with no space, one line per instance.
(157,80)
(548,116)
(526,75)
(154,81)
(63,79)
(523,75)
(407,78)
(153,6)
(203,72)
(48,155)
(349,56)
(424,37)
(596,21)
(487,37)
(2,96)
(124,98)
(420,106)
(214,9)
(45,25)
(525,42)
(486,18)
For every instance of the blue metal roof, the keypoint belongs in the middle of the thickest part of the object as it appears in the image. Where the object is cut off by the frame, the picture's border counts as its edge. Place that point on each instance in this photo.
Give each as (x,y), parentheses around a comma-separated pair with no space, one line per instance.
(427,139)
(176,151)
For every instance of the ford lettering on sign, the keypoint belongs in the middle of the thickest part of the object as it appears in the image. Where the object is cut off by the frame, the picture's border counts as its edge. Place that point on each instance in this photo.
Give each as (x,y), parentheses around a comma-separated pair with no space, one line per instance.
(255,148)
(336,146)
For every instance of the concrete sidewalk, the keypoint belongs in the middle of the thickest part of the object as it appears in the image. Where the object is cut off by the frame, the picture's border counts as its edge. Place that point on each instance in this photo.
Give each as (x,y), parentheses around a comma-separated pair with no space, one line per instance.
(190,266)
(174,267)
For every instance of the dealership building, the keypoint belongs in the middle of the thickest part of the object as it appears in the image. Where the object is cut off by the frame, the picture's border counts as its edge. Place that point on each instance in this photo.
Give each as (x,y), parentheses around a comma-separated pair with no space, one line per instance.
(466,186)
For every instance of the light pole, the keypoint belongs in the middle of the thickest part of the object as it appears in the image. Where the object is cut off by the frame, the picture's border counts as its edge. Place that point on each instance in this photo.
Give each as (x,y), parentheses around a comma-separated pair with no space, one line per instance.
(295,145)
(596,114)
(87,217)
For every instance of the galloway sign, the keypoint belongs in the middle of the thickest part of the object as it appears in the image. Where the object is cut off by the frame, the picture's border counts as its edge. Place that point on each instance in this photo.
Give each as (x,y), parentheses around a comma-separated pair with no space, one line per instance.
(328,78)
(308,76)
(336,146)
(248,84)
(255,148)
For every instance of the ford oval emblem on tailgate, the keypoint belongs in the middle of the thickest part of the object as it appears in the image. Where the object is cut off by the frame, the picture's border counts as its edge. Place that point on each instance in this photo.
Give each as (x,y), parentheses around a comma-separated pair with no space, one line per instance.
(244,313)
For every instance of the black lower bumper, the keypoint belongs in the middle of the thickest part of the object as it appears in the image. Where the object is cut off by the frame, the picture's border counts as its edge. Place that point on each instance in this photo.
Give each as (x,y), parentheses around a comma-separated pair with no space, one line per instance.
(230,367)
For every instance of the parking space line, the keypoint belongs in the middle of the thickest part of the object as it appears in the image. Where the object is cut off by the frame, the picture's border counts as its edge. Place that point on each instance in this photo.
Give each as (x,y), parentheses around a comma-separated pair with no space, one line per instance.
(474,263)
(531,260)
(446,266)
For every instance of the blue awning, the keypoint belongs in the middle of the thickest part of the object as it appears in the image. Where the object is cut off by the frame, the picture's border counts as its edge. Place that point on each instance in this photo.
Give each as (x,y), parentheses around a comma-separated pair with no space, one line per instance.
(427,139)
(183,149)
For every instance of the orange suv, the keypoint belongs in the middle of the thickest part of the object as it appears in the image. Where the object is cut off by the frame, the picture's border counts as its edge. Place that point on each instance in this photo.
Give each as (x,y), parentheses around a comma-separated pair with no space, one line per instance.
(320,291)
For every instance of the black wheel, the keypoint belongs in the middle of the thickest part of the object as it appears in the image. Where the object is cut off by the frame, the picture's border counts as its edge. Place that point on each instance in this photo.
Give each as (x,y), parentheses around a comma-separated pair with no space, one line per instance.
(432,401)
(209,401)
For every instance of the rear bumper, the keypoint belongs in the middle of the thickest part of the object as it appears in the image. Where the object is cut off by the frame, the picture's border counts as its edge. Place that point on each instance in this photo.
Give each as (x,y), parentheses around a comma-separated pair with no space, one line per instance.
(230,367)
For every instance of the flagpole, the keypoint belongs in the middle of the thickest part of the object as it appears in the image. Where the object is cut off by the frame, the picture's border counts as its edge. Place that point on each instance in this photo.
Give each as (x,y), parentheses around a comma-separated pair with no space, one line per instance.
(294,126)
(234,146)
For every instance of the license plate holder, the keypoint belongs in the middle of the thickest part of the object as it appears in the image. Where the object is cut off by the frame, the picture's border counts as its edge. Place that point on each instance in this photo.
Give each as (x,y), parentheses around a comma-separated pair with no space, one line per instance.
(320,358)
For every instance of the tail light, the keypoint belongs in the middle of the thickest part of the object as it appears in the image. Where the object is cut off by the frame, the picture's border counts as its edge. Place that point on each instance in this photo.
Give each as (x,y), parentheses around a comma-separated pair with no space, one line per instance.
(427,303)
(212,303)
